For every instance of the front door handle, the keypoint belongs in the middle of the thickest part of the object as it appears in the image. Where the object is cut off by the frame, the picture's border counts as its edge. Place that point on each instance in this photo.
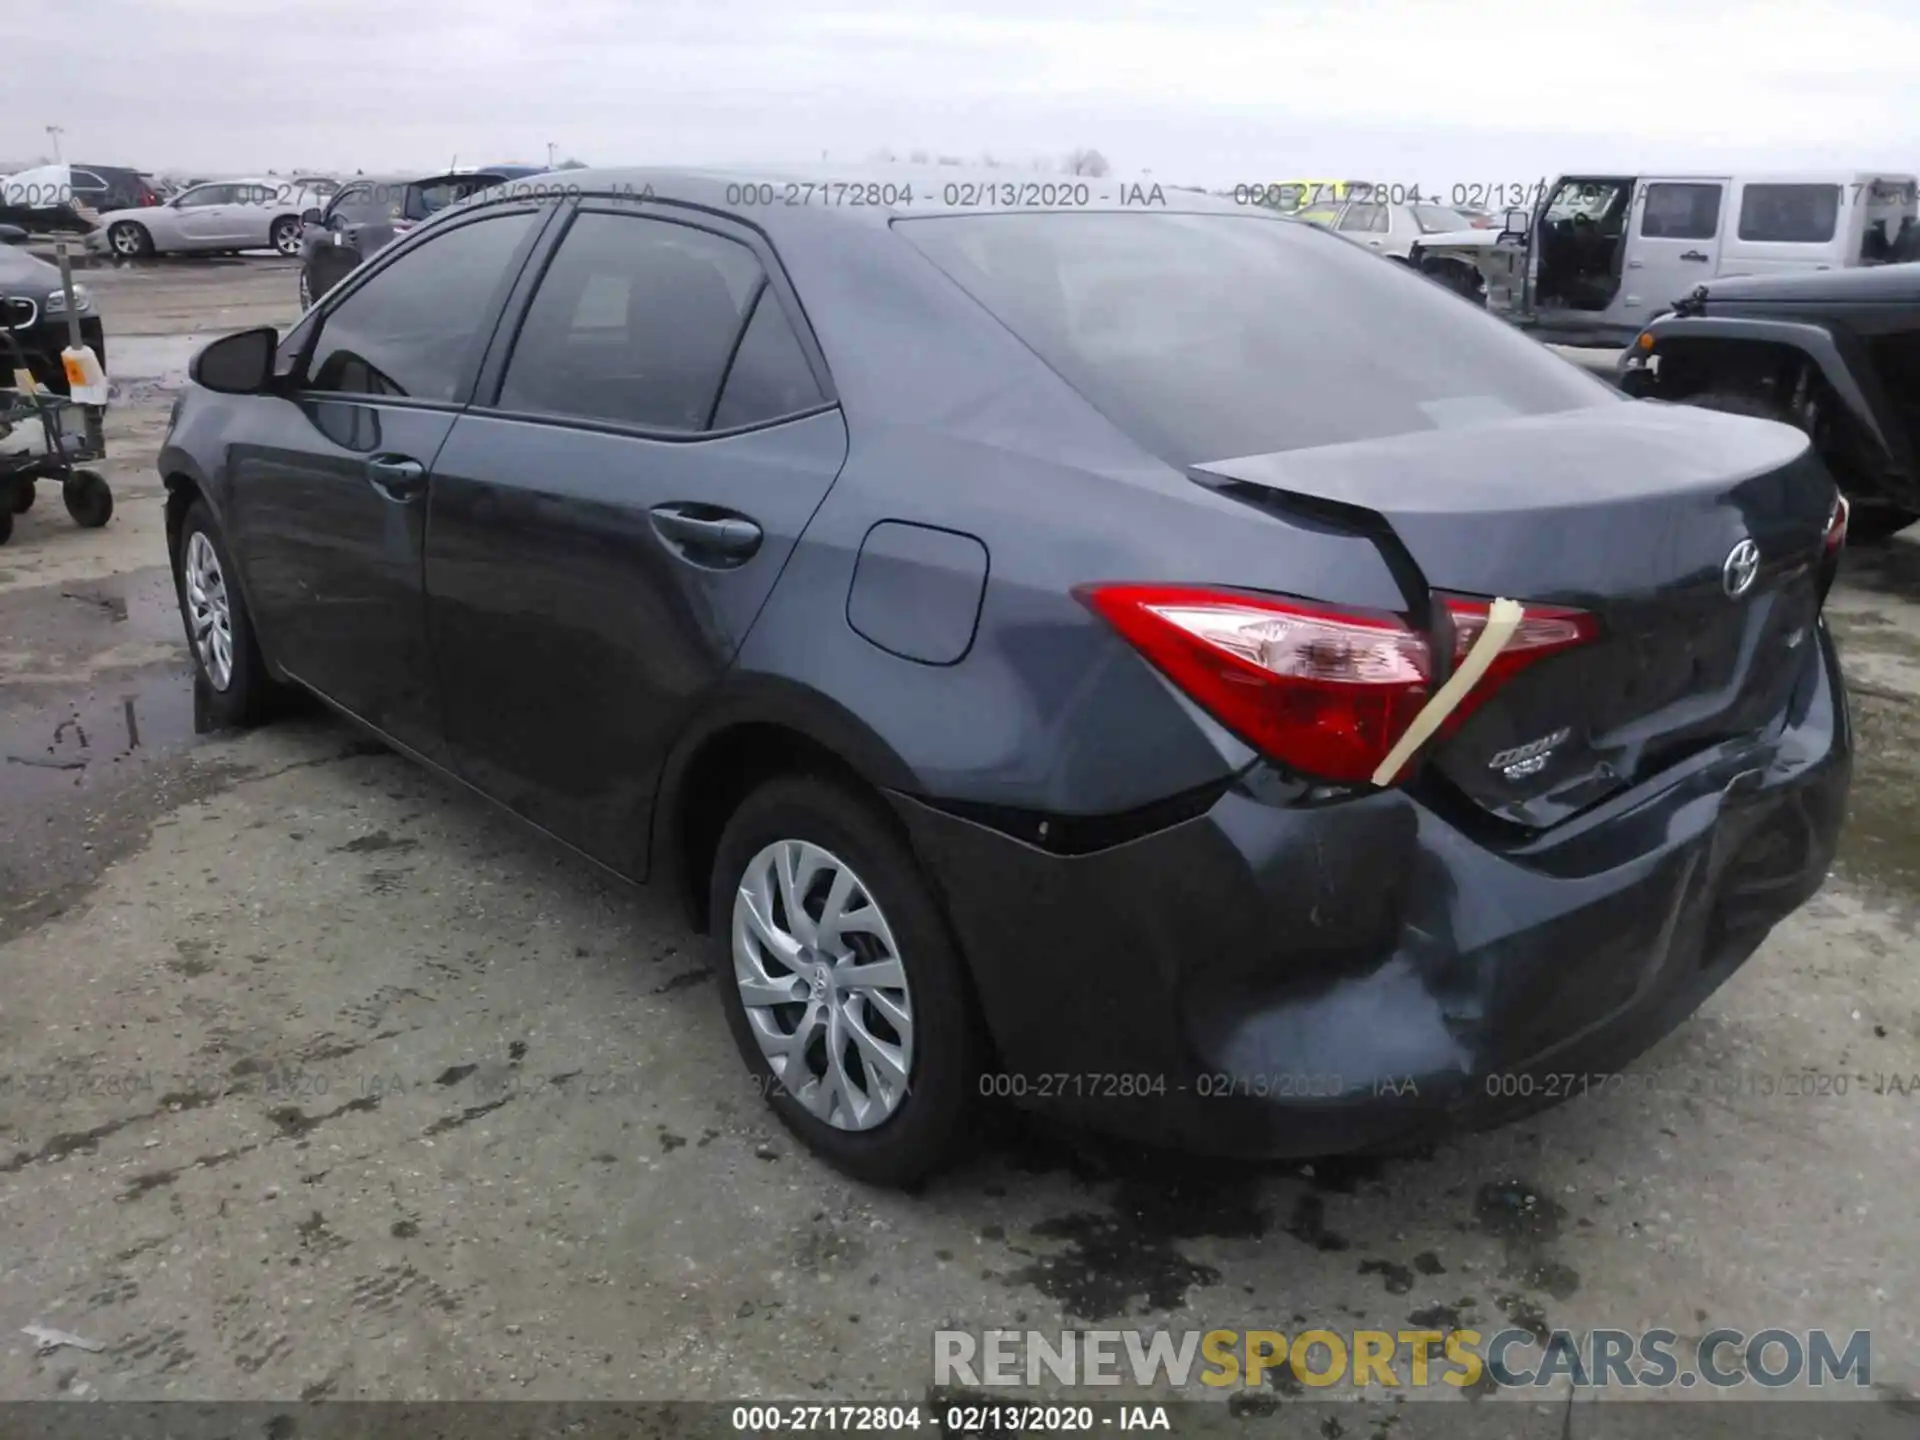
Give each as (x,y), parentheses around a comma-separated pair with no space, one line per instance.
(1698,255)
(396,476)
(707,536)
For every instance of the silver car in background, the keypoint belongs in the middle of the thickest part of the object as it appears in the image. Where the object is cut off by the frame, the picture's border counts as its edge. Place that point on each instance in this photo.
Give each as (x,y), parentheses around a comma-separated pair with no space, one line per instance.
(1393,228)
(220,215)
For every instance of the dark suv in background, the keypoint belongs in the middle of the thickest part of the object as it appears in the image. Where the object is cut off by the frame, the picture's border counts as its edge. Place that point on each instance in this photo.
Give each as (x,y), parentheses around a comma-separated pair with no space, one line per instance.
(1833,353)
(63,208)
(368,214)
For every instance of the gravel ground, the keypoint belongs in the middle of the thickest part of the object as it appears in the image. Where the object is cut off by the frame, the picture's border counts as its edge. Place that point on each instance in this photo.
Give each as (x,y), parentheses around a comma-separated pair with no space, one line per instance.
(324,1079)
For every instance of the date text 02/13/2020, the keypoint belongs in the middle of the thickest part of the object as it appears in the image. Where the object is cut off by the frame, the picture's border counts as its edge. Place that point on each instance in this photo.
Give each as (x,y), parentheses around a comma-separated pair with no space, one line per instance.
(951,195)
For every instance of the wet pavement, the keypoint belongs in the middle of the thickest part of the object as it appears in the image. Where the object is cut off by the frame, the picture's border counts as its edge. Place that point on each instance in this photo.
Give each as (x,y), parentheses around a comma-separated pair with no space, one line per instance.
(322,1078)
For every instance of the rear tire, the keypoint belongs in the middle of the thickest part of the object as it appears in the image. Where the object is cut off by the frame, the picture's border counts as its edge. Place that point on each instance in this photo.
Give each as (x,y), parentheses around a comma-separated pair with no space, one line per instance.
(923,1129)
(21,500)
(285,235)
(245,697)
(88,497)
(6,524)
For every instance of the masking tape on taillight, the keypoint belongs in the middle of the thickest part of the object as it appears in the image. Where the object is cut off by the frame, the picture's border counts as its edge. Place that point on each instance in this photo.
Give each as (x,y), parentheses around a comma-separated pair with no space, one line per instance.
(1503,618)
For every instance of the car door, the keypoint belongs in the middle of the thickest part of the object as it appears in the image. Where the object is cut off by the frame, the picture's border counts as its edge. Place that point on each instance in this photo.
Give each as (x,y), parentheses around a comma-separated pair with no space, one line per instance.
(610,515)
(331,254)
(199,219)
(91,194)
(1366,222)
(1673,244)
(362,222)
(328,503)
(252,214)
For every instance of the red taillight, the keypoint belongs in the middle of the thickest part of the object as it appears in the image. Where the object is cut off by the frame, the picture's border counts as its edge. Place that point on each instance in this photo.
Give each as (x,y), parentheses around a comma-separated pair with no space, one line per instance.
(1837,523)
(1545,630)
(1326,692)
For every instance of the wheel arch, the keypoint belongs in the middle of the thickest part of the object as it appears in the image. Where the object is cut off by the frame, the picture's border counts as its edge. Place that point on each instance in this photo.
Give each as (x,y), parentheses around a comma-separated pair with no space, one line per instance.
(1699,351)
(184,485)
(769,727)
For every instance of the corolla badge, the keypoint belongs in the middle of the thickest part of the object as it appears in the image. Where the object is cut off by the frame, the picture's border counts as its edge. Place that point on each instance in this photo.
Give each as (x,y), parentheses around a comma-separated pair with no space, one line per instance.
(1531,758)
(1741,565)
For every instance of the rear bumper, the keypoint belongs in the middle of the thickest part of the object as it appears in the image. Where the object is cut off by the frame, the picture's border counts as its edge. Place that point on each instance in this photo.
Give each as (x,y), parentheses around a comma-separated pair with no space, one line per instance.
(1273,980)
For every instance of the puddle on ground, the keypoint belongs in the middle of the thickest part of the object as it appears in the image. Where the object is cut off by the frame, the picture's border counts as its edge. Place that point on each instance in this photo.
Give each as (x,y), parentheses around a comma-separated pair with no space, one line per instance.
(47,752)
(82,778)
(53,632)
(151,367)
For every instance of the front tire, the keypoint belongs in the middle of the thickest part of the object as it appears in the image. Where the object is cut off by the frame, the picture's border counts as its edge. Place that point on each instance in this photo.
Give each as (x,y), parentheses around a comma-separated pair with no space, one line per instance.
(844,991)
(231,673)
(130,241)
(21,500)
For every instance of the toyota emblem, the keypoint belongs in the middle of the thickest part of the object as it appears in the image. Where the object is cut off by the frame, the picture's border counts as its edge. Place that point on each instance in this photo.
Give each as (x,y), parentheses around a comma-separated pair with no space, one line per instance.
(1742,564)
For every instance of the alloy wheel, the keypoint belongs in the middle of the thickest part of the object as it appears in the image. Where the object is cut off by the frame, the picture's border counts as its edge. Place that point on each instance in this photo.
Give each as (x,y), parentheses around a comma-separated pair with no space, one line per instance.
(286,238)
(209,616)
(822,985)
(126,240)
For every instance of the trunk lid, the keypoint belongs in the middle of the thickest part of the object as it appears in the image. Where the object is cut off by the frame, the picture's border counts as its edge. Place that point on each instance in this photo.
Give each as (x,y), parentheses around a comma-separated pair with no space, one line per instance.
(1631,513)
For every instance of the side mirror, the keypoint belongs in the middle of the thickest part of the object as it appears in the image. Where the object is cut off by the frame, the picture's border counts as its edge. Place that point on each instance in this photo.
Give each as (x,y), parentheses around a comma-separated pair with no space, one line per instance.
(12,235)
(310,216)
(1517,222)
(239,364)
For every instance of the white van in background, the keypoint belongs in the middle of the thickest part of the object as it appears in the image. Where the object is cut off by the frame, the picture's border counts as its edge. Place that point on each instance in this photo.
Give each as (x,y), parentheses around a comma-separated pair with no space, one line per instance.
(1602,254)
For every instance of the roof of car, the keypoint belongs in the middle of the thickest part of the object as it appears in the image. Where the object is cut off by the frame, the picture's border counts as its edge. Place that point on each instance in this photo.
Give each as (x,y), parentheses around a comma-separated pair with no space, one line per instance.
(901,191)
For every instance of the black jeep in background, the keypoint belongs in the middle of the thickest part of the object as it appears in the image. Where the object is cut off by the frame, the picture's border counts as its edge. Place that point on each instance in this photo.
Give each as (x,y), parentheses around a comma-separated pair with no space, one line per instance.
(1835,353)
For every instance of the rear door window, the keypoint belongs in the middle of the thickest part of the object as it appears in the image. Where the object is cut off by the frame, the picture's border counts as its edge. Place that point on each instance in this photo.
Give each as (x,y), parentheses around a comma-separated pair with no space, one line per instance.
(1794,214)
(365,203)
(1365,217)
(1208,337)
(769,376)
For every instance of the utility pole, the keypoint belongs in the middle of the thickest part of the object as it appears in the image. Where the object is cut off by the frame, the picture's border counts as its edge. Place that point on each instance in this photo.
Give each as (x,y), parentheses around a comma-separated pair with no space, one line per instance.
(550,150)
(54,132)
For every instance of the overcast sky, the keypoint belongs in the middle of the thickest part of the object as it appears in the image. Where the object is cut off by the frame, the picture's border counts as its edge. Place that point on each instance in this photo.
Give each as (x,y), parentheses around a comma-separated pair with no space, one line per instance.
(1210,92)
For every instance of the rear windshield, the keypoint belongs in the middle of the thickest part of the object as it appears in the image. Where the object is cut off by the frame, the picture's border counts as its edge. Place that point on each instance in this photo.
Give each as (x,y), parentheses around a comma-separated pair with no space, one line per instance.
(431,199)
(1208,337)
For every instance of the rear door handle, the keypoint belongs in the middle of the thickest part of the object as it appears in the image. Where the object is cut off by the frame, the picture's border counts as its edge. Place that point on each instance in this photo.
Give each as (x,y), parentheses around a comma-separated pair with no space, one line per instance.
(705,535)
(1694,255)
(396,476)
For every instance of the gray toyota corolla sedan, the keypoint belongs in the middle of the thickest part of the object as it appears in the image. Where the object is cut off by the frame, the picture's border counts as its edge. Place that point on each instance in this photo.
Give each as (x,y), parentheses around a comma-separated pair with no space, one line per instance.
(1142,657)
